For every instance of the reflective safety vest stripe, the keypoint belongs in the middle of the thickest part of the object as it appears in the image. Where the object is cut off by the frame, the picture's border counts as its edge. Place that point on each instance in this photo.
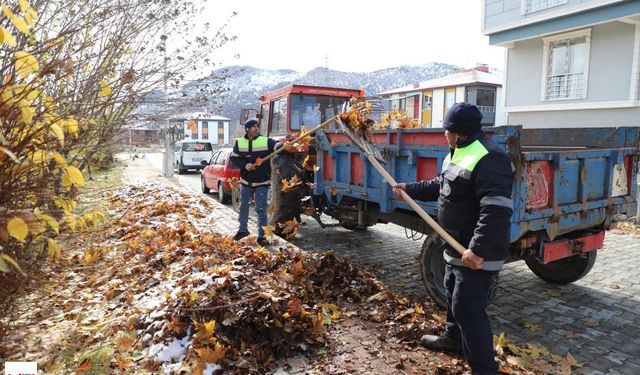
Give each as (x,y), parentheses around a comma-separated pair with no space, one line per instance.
(259,144)
(464,159)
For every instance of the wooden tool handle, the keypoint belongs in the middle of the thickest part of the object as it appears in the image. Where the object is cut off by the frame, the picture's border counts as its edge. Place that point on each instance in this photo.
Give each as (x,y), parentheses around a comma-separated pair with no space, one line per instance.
(416,207)
(281,149)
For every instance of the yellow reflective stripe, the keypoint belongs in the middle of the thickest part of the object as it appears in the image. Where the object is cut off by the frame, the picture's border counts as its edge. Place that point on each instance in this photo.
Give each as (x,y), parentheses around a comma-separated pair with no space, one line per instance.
(243,144)
(468,157)
(259,144)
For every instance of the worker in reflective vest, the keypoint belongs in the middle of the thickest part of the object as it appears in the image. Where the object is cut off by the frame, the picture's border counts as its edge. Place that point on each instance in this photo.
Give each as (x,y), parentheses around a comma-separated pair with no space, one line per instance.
(474,206)
(255,177)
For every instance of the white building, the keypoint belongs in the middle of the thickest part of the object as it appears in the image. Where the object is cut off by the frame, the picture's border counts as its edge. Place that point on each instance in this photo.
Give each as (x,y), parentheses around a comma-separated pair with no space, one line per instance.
(204,126)
(568,63)
(429,101)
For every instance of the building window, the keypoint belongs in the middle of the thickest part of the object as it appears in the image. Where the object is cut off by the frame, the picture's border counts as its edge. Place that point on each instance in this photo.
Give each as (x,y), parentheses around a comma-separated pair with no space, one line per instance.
(566,61)
(205,130)
(449,99)
(486,100)
(427,101)
(530,6)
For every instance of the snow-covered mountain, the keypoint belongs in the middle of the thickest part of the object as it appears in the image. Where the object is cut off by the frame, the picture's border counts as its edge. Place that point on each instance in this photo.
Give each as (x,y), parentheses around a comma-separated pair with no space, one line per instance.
(243,85)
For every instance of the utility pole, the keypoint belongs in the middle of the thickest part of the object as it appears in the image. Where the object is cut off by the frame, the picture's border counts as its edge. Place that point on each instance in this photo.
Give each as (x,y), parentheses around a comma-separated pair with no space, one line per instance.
(638,199)
(167,157)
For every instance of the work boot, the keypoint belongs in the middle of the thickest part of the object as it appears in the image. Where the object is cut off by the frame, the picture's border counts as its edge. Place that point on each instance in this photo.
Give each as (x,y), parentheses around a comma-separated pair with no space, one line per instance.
(441,343)
(240,235)
(263,241)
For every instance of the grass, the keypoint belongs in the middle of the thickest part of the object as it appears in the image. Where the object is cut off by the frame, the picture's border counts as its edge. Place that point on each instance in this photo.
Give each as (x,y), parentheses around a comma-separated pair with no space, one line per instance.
(103,180)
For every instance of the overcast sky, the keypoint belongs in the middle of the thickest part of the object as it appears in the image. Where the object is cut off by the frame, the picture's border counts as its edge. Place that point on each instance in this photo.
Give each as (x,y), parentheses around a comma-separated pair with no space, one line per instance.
(353,35)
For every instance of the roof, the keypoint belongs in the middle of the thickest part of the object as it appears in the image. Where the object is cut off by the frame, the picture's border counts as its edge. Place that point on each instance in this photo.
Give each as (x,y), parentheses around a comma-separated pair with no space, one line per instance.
(464,78)
(148,125)
(198,116)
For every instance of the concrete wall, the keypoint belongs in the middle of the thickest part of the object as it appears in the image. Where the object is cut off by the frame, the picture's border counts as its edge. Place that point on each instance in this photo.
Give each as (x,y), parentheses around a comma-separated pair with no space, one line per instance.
(609,82)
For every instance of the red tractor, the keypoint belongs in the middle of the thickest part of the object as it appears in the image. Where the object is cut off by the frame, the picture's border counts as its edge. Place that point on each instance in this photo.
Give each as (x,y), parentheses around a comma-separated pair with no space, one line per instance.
(285,113)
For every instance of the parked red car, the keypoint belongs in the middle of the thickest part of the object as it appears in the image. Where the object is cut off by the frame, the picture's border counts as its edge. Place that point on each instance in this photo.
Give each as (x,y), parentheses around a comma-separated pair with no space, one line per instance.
(217,174)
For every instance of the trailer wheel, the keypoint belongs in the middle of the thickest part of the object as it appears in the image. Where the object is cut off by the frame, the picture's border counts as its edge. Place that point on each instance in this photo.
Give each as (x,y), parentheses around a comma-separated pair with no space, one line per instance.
(432,267)
(565,270)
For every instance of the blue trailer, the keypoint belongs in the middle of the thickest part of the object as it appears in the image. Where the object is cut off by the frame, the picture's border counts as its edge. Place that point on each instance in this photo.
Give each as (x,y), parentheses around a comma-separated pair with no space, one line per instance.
(569,184)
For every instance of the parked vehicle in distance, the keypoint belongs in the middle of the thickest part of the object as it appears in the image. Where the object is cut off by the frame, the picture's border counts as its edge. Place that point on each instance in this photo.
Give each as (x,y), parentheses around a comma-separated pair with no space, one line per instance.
(189,154)
(217,174)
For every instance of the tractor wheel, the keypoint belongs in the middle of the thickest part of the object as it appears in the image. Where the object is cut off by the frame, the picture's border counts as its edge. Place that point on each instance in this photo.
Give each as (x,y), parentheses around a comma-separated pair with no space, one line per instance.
(432,267)
(565,270)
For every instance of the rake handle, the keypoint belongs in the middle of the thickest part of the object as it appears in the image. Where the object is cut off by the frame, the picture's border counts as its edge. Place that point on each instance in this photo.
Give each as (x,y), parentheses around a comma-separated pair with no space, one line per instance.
(416,207)
(281,149)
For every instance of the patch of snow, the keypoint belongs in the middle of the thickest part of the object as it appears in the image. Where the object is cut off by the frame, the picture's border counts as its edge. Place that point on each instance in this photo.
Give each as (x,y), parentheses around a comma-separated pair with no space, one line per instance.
(173,368)
(170,352)
(211,368)
(157,314)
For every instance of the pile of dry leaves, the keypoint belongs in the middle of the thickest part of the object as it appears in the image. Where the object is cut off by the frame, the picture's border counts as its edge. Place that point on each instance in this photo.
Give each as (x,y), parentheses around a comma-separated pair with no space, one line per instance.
(158,290)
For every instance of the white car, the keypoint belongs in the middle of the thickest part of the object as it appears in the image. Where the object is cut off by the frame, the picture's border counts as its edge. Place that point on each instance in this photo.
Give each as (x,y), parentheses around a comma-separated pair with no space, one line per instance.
(190,154)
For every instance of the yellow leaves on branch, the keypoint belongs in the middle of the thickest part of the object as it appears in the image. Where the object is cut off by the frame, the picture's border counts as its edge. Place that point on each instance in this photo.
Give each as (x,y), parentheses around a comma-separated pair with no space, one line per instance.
(71,126)
(49,220)
(5,261)
(72,176)
(57,131)
(52,248)
(26,64)
(17,228)
(22,24)
(105,89)
(6,37)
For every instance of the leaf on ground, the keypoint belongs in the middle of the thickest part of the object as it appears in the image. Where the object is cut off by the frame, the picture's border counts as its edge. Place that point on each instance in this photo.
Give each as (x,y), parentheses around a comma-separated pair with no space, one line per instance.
(212,356)
(553,292)
(124,343)
(531,326)
(268,230)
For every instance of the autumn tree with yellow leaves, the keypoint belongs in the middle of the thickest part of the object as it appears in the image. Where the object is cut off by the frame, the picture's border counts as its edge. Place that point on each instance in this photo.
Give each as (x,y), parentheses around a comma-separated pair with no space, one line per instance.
(71,74)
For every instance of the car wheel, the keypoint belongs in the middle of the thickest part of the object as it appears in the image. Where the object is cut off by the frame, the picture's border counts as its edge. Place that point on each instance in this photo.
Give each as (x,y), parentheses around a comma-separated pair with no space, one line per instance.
(235,198)
(223,197)
(203,185)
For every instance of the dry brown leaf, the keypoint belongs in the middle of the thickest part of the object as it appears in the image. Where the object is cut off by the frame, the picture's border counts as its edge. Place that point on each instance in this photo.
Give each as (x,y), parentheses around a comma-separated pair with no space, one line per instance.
(123,362)
(211,356)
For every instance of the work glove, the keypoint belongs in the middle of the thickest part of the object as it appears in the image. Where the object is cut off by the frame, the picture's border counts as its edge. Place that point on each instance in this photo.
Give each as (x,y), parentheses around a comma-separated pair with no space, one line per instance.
(250,167)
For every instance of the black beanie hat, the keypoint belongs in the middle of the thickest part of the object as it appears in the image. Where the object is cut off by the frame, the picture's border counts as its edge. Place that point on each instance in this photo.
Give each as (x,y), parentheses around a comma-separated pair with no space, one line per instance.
(250,123)
(463,118)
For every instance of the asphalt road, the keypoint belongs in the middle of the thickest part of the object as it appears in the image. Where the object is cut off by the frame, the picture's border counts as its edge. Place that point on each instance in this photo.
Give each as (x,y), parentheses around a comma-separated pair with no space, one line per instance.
(596,319)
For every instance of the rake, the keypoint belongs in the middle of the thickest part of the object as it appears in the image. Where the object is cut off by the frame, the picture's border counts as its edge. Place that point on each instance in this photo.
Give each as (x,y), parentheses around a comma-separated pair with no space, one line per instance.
(299,138)
(359,137)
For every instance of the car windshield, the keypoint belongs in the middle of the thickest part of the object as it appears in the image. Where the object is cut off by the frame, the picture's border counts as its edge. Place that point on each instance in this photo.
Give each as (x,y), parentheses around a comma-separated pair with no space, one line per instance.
(199,146)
